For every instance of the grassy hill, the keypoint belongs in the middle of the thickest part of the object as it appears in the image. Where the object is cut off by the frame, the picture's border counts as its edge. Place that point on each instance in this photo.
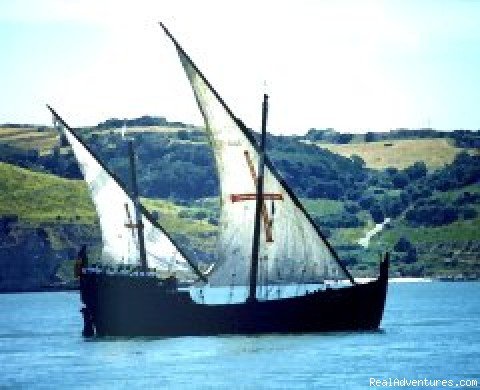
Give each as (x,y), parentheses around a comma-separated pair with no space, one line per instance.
(39,197)
(176,163)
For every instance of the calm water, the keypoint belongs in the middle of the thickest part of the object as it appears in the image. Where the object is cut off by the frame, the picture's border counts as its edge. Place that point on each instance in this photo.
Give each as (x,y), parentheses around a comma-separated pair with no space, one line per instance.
(429,330)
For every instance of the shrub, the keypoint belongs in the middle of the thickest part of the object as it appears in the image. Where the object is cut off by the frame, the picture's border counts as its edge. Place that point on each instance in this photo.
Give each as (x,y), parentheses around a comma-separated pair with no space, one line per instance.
(400,180)
(183,214)
(351,207)
(434,215)
(418,192)
(411,256)
(416,171)
(350,260)
(468,213)
(358,161)
(467,198)
(213,221)
(200,214)
(391,171)
(6,223)
(342,220)
(403,245)
(377,213)
(370,137)
(393,206)
(366,202)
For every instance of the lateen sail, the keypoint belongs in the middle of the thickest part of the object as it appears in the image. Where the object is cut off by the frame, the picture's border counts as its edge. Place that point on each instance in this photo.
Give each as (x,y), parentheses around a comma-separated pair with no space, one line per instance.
(116,213)
(291,247)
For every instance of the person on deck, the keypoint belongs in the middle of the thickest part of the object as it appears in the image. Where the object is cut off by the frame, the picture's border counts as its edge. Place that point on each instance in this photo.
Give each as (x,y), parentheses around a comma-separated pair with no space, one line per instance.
(80,264)
(171,282)
(81,261)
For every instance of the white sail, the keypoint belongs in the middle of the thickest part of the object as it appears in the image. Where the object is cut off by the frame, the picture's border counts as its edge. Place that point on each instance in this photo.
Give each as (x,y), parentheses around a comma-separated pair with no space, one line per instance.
(117,218)
(291,247)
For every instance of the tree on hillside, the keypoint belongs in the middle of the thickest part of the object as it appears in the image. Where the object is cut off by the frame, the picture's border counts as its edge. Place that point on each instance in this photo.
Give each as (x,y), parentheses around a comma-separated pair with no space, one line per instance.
(351,207)
(411,256)
(431,215)
(417,191)
(358,161)
(377,213)
(342,138)
(393,206)
(403,245)
(463,171)
(63,140)
(400,180)
(182,134)
(467,198)
(369,137)
(417,170)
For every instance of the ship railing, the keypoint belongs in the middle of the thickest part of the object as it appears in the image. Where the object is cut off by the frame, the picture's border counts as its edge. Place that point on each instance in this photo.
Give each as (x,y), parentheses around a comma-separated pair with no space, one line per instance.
(121,270)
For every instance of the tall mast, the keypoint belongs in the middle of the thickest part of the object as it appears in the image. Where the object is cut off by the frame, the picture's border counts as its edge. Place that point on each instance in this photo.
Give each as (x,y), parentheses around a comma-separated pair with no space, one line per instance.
(136,203)
(259,202)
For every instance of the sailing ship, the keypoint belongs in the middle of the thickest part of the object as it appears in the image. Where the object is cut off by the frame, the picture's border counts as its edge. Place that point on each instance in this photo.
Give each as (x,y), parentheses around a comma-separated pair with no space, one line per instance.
(267,243)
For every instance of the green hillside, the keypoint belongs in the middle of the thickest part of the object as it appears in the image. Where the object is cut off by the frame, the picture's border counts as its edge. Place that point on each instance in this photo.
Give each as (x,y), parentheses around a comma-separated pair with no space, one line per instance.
(39,197)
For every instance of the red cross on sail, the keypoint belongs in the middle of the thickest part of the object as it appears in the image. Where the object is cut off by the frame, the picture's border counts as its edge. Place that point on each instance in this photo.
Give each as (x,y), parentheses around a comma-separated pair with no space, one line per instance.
(267,222)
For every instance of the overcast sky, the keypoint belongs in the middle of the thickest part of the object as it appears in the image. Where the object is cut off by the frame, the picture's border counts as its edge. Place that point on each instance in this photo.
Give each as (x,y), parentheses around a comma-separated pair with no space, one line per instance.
(353,66)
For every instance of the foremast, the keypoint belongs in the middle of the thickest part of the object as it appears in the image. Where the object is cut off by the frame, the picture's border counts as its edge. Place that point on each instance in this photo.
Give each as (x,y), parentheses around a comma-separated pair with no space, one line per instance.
(136,204)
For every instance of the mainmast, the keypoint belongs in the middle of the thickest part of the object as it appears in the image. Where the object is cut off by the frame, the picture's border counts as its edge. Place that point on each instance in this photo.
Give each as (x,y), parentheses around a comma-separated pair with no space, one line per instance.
(259,202)
(136,203)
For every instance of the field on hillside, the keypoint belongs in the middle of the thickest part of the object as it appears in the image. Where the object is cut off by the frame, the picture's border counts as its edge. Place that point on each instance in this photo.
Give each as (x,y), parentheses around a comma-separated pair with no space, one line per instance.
(146,129)
(45,140)
(29,138)
(435,152)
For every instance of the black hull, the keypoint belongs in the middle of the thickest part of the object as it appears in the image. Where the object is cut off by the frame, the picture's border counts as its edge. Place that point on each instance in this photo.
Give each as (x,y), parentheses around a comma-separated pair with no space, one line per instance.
(125,306)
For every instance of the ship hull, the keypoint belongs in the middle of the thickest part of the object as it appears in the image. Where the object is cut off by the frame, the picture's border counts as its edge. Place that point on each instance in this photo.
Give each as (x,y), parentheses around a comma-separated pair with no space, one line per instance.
(142,308)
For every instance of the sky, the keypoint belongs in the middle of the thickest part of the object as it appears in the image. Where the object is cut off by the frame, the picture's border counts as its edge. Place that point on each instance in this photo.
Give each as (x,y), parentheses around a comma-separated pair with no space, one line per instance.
(350,65)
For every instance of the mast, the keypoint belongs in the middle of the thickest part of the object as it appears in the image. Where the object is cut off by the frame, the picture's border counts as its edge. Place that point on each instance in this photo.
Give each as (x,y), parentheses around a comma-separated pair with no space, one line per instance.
(259,202)
(138,213)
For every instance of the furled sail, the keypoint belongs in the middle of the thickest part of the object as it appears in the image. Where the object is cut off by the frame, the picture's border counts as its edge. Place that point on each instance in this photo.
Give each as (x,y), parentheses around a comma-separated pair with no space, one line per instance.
(117,217)
(292,250)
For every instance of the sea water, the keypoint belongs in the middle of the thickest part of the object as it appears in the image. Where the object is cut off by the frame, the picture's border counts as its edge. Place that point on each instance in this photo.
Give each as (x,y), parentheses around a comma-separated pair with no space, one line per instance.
(430,331)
